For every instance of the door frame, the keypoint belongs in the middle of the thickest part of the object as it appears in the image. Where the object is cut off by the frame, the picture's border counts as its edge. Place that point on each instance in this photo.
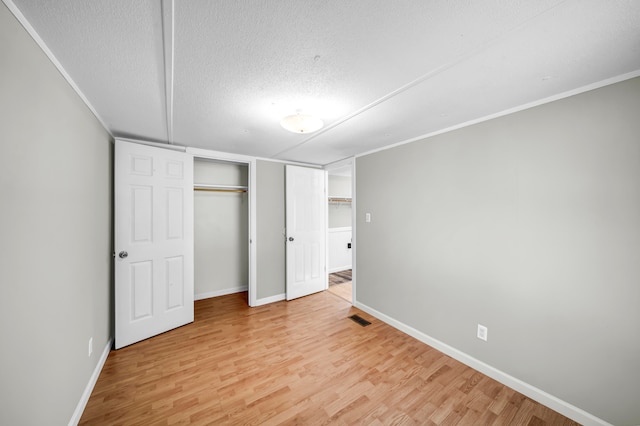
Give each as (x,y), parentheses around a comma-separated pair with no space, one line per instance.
(251,188)
(347,162)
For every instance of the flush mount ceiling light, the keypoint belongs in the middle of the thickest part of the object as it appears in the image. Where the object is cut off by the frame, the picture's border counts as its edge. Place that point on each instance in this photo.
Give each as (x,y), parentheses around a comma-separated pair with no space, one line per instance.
(301,123)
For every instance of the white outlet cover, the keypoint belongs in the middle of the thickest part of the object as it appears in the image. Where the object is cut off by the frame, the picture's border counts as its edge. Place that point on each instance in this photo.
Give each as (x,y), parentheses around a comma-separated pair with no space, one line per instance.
(482,332)
(90,346)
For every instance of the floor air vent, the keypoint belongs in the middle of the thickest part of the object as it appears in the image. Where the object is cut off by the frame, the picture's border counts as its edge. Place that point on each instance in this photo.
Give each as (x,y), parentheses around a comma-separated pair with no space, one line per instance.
(356,318)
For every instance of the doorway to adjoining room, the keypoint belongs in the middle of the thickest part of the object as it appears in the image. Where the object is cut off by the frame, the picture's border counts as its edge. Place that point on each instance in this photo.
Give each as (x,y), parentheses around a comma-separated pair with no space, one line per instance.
(340,236)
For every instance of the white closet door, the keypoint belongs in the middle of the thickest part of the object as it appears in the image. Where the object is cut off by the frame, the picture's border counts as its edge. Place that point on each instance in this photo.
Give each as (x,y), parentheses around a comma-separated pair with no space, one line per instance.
(153,241)
(306,231)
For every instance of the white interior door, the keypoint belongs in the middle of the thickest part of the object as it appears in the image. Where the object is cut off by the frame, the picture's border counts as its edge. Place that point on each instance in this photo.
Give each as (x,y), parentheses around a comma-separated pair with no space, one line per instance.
(306,231)
(153,241)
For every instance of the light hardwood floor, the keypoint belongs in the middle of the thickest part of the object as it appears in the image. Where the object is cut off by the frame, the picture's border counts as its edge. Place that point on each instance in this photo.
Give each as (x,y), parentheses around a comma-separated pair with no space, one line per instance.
(340,284)
(343,290)
(301,363)
(340,277)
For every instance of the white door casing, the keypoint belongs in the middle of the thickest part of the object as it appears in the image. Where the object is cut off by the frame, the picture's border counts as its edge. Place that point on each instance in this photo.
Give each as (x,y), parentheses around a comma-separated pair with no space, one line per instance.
(306,224)
(153,241)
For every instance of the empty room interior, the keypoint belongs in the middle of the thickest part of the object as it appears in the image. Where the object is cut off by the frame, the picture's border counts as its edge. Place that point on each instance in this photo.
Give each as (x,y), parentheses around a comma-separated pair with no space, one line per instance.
(179,179)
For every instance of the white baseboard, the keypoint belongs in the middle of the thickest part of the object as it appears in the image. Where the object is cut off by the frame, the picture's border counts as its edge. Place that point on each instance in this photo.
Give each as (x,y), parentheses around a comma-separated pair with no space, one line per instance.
(532,392)
(222,292)
(77,414)
(271,299)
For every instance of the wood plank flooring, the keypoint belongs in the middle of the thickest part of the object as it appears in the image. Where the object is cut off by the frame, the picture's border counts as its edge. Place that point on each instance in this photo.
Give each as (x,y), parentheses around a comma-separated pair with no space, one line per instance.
(297,363)
(340,277)
(340,284)
(343,290)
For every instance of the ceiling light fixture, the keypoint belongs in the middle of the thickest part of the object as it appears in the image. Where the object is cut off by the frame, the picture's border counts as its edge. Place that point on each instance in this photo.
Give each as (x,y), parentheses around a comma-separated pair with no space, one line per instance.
(301,123)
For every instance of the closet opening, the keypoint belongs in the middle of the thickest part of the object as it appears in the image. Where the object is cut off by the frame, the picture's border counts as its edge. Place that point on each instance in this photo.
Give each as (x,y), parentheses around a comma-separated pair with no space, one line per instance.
(221,227)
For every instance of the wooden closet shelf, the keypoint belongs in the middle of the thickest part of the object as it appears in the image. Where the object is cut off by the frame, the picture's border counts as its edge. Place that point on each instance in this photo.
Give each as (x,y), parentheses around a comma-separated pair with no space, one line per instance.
(219,188)
(339,200)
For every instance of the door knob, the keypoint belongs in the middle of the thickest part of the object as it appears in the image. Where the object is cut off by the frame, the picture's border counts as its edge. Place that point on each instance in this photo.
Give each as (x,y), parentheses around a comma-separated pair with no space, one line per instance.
(123,254)
(290,238)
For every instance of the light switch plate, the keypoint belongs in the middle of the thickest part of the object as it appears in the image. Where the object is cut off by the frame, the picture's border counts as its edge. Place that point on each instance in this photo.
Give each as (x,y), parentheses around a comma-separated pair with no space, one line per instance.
(482,332)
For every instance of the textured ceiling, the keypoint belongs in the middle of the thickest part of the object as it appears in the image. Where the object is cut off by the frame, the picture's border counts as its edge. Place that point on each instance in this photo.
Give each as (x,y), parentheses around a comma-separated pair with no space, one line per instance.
(221,74)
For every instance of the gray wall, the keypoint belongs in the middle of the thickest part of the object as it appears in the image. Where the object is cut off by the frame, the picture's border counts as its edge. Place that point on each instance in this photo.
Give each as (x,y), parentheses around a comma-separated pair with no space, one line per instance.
(339,213)
(55,228)
(270,226)
(221,229)
(339,186)
(528,224)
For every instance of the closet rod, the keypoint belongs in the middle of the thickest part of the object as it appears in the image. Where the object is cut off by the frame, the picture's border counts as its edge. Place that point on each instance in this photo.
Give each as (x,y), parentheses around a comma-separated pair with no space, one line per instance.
(219,188)
(339,200)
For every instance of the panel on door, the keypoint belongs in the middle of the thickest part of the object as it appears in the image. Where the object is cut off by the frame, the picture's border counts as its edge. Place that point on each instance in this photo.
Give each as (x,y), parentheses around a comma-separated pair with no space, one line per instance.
(306,231)
(153,241)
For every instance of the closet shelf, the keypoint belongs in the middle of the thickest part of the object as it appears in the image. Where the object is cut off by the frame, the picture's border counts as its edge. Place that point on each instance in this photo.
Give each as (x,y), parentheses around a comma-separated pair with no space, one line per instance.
(219,188)
(339,200)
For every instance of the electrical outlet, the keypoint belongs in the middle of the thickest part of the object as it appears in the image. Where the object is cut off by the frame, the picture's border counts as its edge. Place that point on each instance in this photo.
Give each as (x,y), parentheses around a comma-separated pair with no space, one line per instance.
(90,346)
(367,217)
(482,332)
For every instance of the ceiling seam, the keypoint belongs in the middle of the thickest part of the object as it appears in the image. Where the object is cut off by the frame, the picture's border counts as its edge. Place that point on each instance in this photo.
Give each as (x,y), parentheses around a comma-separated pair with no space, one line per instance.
(168,44)
(459,59)
(43,46)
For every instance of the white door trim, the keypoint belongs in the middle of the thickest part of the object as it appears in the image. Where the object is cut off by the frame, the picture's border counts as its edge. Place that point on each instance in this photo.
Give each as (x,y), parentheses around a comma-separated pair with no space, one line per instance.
(354,244)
